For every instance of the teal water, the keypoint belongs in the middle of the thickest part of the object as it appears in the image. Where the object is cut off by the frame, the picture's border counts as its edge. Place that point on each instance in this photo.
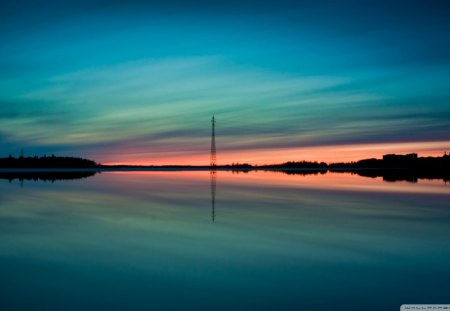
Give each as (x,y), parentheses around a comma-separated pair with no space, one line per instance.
(154,241)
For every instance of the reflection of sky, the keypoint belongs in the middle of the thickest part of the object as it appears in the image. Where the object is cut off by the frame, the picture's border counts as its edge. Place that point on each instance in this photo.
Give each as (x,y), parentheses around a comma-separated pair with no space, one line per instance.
(134,82)
(146,240)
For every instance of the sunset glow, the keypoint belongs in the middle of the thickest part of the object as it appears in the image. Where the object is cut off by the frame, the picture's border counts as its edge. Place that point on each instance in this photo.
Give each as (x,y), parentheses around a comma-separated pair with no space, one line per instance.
(328,154)
(137,83)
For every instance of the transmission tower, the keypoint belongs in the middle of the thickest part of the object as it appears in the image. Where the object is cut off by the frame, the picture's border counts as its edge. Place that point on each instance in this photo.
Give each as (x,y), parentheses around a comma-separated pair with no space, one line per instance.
(213,165)
(213,159)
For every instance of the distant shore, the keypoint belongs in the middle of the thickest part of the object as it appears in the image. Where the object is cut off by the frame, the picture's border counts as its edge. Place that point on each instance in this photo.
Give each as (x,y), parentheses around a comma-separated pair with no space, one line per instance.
(389,161)
(392,167)
(52,174)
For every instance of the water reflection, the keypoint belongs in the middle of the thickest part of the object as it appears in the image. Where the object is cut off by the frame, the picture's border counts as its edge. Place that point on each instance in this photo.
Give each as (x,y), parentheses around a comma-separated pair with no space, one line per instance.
(213,177)
(143,240)
(51,176)
(388,175)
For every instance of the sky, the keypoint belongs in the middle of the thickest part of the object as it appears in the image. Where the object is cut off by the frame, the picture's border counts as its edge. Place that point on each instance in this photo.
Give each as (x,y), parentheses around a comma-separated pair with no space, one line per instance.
(137,82)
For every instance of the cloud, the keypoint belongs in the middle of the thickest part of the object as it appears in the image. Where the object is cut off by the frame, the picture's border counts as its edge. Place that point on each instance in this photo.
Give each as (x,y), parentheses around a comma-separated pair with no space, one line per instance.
(157,106)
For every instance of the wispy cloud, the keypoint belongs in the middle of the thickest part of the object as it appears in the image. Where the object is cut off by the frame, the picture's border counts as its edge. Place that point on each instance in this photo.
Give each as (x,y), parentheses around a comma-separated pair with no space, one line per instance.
(163,105)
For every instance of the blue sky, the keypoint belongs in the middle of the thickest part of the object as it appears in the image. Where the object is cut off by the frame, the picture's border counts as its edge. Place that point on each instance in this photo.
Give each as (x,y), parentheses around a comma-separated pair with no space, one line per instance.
(137,81)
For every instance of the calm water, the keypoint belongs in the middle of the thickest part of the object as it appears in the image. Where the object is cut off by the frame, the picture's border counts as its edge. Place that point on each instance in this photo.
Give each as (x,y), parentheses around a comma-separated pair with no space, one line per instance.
(147,241)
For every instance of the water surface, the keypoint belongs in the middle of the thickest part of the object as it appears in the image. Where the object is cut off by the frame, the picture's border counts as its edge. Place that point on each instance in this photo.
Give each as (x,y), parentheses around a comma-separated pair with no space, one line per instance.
(223,241)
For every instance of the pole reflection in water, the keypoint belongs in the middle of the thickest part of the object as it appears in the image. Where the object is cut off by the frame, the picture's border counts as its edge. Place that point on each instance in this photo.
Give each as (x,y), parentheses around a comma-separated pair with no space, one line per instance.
(143,236)
(213,177)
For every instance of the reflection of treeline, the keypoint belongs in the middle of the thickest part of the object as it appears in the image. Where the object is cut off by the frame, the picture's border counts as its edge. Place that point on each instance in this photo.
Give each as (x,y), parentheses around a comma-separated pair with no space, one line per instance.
(46,176)
(402,174)
(392,167)
(304,172)
(46,162)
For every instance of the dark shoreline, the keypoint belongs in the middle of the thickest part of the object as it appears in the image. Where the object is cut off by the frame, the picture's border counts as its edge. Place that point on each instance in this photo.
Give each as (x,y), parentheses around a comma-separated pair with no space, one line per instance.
(52,174)
(391,167)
